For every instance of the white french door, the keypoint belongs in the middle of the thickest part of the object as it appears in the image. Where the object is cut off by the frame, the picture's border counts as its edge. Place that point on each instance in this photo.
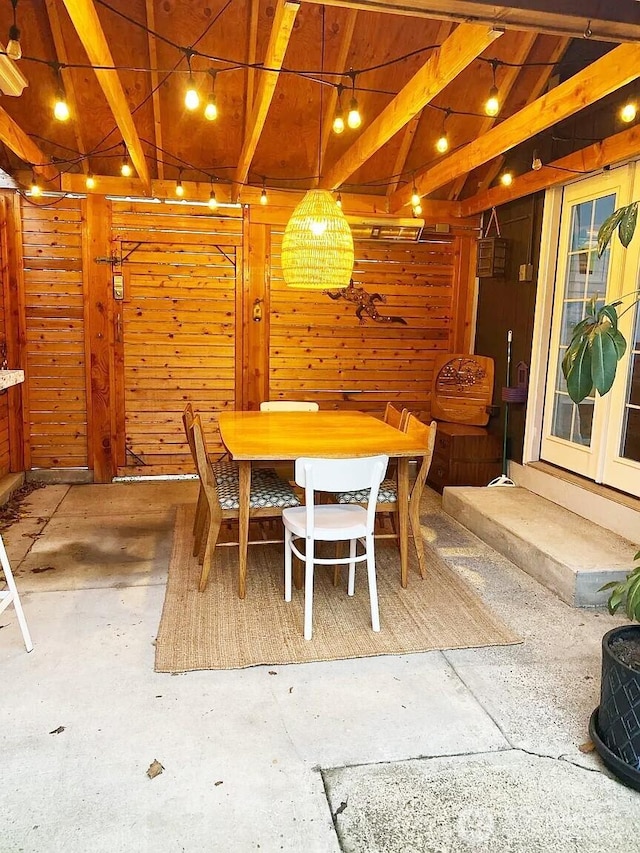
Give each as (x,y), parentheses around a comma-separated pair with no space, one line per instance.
(600,437)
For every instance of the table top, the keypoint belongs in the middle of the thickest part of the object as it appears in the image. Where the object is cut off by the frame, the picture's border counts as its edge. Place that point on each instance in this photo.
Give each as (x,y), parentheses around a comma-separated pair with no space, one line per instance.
(333,434)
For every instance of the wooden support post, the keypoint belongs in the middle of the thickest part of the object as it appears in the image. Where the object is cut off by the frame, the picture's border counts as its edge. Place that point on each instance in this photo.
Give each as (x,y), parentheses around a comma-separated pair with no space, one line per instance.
(99,343)
(255,332)
(13,282)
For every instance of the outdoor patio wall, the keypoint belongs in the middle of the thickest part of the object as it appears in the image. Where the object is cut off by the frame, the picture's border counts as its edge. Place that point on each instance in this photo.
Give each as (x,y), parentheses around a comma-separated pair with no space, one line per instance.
(107,377)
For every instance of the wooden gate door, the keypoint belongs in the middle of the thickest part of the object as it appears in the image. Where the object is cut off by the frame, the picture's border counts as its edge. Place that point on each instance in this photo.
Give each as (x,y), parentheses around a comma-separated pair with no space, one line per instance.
(175,329)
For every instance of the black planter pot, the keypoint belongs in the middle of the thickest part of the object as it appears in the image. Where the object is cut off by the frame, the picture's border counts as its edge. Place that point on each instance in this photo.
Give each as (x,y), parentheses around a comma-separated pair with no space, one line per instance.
(615,725)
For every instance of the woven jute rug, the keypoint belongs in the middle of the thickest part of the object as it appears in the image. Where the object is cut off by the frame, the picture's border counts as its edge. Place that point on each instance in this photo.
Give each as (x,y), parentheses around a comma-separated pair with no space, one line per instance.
(216,630)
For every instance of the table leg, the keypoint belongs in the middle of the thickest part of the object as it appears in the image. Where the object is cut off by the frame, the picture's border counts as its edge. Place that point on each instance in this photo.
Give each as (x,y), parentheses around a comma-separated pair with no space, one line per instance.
(403,518)
(244,472)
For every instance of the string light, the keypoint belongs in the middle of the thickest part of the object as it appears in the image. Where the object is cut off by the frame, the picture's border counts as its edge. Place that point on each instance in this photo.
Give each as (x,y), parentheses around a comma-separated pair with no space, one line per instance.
(213,202)
(338,120)
(492,104)
(536,162)
(60,106)
(417,209)
(125,169)
(191,96)
(415,197)
(35,189)
(628,112)
(442,144)
(339,200)
(506,179)
(179,187)
(14,49)
(211,110)
(354,119)
(90,181)
(263,194)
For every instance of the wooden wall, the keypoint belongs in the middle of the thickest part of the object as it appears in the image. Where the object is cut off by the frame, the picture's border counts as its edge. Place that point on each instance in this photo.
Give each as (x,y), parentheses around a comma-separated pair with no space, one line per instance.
(5,461)
(108,378)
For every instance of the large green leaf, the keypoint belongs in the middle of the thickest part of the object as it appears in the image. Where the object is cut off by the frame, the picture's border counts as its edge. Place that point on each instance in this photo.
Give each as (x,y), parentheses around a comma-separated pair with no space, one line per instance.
(627,224)
(620,343)
(633,596)
(608,227)
(604,360)
(579,380)
(609,311)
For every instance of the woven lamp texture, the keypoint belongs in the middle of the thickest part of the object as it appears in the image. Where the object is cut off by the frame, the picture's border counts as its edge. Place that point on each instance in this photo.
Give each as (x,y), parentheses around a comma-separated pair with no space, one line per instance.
(317,247)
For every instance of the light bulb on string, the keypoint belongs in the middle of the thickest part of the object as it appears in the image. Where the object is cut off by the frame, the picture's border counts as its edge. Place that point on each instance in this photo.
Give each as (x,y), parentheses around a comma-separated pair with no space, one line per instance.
(628,112)
(179,187)
(417,209)
(536,162)
(492,104)
(213,202)
(90,181)
(60,107)
(125,169)
(354,119)
(191,96)
(338,119)
(442,144)
(506,179)
(211,110)
(35,189)
(14,48)
(415,196)
(339,200)
(263,195)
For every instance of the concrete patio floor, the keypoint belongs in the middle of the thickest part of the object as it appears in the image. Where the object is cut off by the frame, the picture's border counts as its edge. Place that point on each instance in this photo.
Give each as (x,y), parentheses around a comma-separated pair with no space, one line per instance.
(469,750)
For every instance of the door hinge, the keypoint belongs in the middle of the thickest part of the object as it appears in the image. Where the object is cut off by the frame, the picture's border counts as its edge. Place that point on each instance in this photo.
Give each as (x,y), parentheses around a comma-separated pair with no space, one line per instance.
(110,259)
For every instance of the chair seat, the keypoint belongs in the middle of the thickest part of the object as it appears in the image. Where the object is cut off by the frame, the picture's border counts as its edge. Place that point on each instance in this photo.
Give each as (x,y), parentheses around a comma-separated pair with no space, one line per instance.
(267,490)
(225,470)
(388,494)
(331,523)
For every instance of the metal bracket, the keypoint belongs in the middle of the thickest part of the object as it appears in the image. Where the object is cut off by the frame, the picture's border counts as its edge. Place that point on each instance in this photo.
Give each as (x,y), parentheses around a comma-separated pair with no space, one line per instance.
(114,260)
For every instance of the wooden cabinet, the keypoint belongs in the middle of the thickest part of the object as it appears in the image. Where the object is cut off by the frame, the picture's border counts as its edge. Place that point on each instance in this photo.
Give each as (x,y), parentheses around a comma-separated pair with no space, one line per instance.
(464,456)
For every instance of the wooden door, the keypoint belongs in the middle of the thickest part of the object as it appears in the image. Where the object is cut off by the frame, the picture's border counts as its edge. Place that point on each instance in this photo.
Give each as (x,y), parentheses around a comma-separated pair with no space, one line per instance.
(175,330)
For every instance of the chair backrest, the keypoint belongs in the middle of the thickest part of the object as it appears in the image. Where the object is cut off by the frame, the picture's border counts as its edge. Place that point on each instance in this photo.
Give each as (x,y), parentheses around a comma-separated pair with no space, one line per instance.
(288,406)
(394,417)
(341,475)
(203,466)
(187,422)
(426,435)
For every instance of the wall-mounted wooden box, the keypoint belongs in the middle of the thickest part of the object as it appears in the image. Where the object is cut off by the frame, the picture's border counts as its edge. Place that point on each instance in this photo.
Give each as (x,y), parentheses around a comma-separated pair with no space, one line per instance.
(492,257)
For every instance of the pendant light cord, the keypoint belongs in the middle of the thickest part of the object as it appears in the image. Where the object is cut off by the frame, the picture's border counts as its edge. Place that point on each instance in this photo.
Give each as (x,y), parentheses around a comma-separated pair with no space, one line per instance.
(321,93)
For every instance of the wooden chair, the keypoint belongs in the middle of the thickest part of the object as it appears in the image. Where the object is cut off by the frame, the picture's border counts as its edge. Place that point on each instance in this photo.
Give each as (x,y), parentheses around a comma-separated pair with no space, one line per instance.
(288,406)
(388,492)
(269,496)
(394,417)
(331,523)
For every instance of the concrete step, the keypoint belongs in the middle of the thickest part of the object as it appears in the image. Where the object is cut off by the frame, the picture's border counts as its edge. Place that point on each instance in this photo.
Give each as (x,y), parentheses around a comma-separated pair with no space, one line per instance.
(568,554)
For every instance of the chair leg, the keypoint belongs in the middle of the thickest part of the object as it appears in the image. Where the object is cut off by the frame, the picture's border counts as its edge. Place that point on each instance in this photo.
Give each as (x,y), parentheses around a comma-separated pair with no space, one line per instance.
(287,564)
(373,585)
(351,585)
(414,519)
(308,590)
(15,598)
(199,523)
(210,547)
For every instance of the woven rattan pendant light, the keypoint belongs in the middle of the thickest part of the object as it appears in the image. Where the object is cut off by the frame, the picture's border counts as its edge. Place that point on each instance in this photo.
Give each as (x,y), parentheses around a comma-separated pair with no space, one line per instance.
(317,247)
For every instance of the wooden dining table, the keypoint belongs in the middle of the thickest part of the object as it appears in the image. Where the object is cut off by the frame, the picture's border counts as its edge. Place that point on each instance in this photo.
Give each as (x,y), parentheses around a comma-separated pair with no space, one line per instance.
(252,437)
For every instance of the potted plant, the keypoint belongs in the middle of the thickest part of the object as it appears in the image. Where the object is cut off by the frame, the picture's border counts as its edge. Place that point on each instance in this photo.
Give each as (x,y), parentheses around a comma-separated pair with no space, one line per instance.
(596,344)
(614,727)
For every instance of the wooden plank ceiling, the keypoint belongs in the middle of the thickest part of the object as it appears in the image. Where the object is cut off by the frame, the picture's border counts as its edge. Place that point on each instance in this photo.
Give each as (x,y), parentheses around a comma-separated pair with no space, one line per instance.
(415,66)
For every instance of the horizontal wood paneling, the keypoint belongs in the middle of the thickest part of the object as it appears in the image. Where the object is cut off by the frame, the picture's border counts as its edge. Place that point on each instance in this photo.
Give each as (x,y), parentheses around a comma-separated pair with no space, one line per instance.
(178,329)
(54,308)
(319,350)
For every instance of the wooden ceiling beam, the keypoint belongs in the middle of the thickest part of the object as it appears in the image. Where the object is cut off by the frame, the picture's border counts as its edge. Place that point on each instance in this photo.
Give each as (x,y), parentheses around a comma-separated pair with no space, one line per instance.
(332,100)
(607,74)
(252,48)
(444,64)
(617,22)
(155,85)
(534,92)
(614,149)
(444,30)
(67,79)
(25,148)
(283,19)
(87,23)
(517,55)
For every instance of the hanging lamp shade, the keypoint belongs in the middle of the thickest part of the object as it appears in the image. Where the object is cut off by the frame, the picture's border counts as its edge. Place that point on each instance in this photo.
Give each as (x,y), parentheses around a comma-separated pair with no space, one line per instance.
(317,247)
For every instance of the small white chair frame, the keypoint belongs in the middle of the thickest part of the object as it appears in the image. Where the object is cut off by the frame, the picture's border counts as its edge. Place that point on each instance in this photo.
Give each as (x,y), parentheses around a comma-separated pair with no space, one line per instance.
(333,523)
(10,596)
(288,406)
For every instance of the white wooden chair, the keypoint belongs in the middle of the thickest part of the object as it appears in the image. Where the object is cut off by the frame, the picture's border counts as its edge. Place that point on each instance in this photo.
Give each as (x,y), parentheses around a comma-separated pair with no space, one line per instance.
(288,406)
(10,596)
(333,523)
